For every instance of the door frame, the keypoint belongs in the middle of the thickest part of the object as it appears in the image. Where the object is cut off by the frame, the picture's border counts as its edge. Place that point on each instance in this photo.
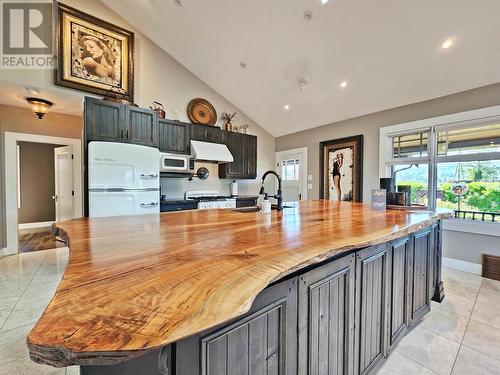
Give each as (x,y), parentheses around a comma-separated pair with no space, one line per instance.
(11,222)
(300,150)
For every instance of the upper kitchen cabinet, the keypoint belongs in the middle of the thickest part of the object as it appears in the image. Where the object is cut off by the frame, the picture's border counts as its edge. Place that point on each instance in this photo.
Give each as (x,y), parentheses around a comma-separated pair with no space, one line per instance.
(114,122)
(103,120)
(140,126)
(244,150)
(174,136)
(207,133)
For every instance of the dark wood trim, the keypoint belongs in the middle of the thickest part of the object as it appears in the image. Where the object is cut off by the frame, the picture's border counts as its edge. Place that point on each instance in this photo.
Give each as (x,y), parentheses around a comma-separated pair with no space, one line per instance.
(358,165)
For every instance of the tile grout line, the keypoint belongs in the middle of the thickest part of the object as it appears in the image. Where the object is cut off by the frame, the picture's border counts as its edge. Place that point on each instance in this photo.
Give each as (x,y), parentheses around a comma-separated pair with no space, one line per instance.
(21,296)
(466,327)
(416,362)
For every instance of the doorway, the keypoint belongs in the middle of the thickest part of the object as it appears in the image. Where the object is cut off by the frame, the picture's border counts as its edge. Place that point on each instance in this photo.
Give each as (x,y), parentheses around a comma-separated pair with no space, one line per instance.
(63,201)
(44,193)
(291,165)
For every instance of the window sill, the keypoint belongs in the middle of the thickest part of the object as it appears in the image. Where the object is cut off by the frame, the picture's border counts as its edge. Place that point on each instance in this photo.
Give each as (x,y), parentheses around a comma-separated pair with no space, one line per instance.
(471,226)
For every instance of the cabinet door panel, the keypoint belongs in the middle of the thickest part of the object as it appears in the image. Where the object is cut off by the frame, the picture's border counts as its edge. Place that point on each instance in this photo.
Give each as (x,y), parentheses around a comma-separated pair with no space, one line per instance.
(421,273)
(400,289)
(174,137)
(141,126)
(262,342)
(251,150)
(372,280)
(103,120)
(326,318)
(236,144)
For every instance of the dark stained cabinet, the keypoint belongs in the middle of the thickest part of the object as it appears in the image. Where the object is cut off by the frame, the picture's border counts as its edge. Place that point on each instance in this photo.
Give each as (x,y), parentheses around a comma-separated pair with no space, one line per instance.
(174,137)
(103,120)
(400,259)
(140,126)
(263,342)
(114,122)
(326,318)
(207,133)
(421,290)
(372,307)
(243,147)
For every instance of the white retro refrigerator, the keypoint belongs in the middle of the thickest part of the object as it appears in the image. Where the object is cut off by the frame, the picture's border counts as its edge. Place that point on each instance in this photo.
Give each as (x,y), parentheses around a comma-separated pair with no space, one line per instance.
(123,179)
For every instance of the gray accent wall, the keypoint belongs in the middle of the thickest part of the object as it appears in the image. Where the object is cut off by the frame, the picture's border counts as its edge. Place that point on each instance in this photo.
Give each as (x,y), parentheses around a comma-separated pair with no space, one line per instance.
(457,245)
(369,126)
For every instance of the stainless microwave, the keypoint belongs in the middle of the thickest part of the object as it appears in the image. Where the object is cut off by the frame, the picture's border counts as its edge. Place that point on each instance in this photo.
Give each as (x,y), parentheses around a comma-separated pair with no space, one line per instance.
(176,163)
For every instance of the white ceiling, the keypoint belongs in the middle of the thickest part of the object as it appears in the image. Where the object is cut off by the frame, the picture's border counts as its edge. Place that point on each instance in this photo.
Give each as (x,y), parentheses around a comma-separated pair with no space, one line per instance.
(387,50)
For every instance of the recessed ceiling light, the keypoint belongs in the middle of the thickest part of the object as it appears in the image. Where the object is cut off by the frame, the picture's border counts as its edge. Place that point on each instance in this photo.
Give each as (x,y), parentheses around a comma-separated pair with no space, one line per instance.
(324,2)
(343,84)
(308,15)
(243,65)
(447,43)
(286,107)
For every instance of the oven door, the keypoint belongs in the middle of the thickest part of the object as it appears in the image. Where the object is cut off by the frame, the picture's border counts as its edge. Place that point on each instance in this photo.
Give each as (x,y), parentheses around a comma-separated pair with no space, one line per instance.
(176,163)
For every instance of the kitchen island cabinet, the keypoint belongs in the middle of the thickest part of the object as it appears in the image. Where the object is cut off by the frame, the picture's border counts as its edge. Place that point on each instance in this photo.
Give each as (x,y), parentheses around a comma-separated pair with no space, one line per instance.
(323,287)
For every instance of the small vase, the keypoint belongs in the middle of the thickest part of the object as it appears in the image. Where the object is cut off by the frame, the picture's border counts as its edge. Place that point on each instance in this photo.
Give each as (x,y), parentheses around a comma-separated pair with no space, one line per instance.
(229,127)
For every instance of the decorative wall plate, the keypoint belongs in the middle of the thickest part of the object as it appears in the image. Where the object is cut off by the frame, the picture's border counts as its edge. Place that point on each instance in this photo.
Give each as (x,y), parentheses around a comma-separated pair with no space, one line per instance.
(200,111)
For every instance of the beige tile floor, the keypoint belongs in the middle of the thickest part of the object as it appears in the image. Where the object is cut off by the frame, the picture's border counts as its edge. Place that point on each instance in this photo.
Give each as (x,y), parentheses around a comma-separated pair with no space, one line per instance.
(459,336)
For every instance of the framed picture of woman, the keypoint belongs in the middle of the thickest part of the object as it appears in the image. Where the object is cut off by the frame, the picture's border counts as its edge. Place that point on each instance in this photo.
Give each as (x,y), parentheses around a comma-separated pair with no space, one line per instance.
(94,55)
(341,169)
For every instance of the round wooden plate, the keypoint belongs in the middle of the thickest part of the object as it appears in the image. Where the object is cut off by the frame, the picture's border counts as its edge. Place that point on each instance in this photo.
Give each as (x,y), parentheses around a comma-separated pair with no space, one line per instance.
(200,111)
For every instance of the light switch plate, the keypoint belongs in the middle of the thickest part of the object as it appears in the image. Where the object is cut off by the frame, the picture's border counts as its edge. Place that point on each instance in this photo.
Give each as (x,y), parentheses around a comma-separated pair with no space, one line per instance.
(309,186)
(309,177)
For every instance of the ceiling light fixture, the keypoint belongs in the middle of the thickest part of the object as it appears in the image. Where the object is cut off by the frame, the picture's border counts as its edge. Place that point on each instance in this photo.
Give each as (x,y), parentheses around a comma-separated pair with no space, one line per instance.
(178,3)
(447,43)
(243,65)
(286,107)
(308,15)
(40,106)
(343,84)
(324,2)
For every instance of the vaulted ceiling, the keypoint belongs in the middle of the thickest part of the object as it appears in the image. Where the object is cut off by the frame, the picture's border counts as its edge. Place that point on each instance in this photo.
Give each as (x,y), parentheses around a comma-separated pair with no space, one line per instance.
(388,52)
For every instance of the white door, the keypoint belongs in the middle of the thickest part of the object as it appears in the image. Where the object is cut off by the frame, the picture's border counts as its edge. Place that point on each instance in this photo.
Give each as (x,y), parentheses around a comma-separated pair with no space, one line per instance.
(291,167)
(63,197)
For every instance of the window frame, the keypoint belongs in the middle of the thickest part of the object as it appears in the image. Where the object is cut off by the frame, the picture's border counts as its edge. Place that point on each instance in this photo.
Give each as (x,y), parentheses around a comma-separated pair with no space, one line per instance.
(434,125)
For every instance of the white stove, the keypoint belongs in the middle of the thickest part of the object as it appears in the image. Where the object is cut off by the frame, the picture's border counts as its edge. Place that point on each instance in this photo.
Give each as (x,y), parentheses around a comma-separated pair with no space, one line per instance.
(210,199)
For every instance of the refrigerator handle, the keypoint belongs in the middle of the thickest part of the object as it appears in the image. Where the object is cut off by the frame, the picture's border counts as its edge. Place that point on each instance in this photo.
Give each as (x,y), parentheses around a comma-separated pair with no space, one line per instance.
(149,176)
(121,133)
(152,204)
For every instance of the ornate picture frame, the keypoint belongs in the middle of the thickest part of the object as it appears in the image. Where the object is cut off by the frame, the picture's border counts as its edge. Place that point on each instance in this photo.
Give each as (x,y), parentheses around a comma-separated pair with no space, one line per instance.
(341,169)
(93,55)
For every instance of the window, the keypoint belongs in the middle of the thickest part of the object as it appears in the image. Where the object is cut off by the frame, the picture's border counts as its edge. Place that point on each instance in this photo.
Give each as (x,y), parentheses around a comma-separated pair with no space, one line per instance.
(455,166)
(290,170)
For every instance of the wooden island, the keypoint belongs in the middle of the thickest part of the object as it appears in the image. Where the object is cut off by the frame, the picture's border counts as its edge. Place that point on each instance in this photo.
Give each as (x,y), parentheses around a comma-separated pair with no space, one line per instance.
(324,287)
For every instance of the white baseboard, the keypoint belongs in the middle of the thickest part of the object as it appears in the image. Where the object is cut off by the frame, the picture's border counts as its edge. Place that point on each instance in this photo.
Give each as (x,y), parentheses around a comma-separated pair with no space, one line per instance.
(5,251)
(463,266)
(40,224)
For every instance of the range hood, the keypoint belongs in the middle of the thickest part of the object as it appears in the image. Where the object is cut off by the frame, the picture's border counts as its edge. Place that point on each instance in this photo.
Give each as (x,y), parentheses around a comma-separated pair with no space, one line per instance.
(207,151)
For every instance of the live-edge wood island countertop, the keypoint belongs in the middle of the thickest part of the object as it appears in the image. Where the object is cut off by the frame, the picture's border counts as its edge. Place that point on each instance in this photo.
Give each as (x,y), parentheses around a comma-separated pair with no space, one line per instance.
(142,282)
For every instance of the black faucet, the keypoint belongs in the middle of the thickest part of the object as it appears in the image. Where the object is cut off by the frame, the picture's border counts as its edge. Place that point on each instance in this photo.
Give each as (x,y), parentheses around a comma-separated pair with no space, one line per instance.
(279,194)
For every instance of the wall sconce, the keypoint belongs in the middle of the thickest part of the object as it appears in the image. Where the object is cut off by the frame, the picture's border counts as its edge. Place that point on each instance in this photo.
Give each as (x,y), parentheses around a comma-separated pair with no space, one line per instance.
(40,106)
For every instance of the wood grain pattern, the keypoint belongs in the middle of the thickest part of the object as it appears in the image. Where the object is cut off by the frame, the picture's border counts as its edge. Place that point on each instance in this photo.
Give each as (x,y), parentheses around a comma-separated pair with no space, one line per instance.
(137,283)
